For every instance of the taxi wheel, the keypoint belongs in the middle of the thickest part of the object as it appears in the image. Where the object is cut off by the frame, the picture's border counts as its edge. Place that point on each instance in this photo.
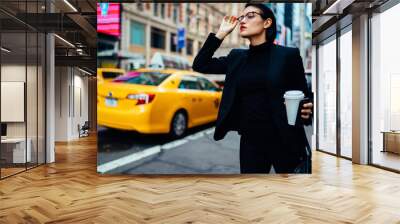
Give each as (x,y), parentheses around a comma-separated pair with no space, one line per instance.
(178,125)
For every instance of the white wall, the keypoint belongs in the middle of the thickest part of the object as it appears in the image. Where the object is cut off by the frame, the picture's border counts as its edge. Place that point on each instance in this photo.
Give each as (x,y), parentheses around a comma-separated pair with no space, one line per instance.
(61,103)
(80,98)
(71,94)
(12,73)
(33,126)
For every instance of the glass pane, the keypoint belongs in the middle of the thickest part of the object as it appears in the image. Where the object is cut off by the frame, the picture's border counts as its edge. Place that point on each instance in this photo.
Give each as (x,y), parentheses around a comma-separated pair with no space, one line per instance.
(32,84)
(327,97)
(13,84)
(41,99)
(22,82)
(385,90)
(31,97)
(346,94)
(143,78)
(137,33)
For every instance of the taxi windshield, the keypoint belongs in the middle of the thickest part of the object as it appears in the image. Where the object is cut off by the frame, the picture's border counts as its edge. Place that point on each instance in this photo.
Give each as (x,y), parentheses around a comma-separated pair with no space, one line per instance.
(142,78)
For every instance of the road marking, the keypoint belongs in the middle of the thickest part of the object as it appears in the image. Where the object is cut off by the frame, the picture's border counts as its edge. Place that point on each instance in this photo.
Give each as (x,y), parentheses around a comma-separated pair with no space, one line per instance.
(173,144)
(195,136)
(128,159)
(149,152)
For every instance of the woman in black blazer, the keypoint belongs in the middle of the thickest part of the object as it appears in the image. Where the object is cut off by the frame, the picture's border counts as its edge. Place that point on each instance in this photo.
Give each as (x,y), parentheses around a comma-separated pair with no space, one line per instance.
(252,99)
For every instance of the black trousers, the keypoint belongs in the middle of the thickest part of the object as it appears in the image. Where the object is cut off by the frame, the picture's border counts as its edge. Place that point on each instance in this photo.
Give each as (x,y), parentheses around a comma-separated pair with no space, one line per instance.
(259,151)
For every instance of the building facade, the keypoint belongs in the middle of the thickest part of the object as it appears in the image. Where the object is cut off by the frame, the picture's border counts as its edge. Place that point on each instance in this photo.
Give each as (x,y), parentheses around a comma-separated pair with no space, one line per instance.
(148,28)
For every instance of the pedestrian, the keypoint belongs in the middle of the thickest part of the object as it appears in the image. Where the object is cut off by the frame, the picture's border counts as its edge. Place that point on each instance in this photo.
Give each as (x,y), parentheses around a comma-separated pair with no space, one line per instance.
(252,99)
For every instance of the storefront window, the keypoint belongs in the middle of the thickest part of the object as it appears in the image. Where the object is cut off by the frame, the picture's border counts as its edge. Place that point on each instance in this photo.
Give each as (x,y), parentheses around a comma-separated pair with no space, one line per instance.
(346,94)
(327,96)
(385,89)
(189,47)
(174,43)
(157,38)
(137,33)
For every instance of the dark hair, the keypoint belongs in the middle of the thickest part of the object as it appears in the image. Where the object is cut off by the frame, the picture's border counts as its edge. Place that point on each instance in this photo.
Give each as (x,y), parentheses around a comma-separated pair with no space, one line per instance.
(265,14)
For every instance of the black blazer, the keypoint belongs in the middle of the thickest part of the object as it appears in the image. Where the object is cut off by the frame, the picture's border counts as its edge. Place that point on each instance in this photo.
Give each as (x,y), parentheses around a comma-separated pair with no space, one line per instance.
(286,72)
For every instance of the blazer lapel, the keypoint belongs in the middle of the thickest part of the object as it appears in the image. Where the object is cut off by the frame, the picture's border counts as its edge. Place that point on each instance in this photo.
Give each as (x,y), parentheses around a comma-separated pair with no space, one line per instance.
(231,80)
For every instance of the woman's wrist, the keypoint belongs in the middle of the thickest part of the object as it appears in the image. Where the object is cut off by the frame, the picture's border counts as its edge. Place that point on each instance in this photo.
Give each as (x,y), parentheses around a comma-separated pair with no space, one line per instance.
(220,36)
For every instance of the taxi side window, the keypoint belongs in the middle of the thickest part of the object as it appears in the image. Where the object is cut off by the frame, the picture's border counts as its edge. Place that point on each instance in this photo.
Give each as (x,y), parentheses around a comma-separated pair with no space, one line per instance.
(207,85)
(189,82)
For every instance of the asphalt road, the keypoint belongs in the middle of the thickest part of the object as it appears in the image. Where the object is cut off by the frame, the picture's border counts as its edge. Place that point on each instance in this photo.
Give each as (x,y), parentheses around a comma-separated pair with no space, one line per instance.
(196,153)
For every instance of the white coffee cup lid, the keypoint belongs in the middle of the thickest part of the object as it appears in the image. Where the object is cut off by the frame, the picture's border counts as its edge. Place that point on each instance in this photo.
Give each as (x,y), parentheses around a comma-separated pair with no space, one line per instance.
(294,94)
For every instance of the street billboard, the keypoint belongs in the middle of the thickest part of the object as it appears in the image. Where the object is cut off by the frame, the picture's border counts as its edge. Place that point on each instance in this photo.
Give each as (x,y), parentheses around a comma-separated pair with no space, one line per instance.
(108,19)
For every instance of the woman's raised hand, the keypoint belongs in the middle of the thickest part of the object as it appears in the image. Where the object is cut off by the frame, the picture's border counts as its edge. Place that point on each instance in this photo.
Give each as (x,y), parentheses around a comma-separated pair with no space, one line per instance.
(228,24)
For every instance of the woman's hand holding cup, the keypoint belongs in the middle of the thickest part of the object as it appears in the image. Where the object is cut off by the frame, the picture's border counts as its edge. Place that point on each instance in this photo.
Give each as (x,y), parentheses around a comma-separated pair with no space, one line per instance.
(306,111)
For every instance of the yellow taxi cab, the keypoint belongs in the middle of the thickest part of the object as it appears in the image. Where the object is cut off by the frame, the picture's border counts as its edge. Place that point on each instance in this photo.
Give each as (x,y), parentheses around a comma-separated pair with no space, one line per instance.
(108,74)
(158,101)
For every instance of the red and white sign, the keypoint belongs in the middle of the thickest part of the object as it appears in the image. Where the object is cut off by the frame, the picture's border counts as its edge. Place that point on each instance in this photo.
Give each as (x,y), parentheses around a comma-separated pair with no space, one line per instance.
(108,18)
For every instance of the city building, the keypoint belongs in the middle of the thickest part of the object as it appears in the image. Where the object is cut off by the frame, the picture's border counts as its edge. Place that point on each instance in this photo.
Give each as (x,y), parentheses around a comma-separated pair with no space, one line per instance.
(153,27)
(294,28)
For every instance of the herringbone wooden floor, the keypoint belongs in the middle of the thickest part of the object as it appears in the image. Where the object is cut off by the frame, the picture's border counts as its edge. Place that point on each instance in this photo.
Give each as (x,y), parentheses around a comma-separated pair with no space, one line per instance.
(70,191)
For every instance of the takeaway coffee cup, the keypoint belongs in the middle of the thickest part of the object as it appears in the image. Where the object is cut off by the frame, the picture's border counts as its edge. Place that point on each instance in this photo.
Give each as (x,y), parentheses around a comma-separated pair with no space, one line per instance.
(292,101)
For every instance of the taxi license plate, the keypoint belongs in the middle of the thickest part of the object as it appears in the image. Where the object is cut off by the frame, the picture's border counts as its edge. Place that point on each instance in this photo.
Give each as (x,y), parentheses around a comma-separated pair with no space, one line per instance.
(111,102)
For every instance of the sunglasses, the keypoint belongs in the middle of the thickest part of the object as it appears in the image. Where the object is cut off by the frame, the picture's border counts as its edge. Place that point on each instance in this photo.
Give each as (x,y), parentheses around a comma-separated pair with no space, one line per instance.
(249,15)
